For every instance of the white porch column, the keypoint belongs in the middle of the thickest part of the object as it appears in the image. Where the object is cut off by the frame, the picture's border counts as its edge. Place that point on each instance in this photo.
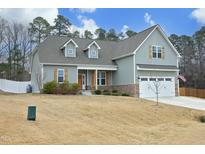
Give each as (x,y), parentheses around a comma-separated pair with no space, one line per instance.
(87,79)
(96,79)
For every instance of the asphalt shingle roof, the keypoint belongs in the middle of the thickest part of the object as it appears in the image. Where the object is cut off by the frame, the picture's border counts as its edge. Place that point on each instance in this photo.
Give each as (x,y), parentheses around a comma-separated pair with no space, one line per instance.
(50,52)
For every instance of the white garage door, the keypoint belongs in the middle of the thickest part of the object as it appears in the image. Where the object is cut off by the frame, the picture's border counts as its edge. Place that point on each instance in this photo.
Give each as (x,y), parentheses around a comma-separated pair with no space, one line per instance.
(148,86)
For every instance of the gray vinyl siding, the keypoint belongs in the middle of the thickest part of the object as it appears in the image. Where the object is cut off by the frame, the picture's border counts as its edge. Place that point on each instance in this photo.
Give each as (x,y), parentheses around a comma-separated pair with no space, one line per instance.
(142,56)
(49,73)
(156,38)
(35,71)
(125,73)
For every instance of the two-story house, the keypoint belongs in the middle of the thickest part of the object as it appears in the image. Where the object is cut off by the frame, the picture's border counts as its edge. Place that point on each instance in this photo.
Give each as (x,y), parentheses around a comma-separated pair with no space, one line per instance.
(133,65)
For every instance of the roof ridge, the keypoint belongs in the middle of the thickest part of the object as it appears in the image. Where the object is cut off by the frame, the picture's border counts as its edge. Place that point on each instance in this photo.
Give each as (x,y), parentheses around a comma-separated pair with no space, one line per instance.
(141,32)
(81,38)
(104,40)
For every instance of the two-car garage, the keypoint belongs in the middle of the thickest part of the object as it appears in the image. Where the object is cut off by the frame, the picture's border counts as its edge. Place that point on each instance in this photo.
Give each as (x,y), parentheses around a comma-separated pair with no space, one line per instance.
(149,86)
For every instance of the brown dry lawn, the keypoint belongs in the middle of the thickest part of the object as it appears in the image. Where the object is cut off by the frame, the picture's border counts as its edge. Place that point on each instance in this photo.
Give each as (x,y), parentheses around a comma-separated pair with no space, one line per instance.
(96,120)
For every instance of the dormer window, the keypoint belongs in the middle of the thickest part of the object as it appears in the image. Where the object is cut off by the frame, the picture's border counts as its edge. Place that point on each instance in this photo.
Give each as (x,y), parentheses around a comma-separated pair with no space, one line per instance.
(92,49)
(70,51)
(70,48)
(93,52)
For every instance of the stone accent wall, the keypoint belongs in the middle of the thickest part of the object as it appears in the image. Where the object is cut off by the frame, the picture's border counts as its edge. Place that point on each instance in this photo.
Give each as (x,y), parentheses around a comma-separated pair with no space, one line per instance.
(131,89)
(105,88)
(176,89)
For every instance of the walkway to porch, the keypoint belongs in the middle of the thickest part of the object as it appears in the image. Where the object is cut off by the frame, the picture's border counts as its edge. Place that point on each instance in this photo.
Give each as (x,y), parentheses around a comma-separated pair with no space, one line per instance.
(86,93)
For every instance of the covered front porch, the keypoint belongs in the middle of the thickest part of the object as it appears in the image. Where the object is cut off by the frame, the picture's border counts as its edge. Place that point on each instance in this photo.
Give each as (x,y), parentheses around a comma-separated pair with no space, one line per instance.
(90,78)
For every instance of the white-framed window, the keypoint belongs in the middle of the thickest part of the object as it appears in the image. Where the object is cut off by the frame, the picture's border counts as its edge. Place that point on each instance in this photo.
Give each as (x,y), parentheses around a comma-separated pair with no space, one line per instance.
(101,78)
(160,79)
(156,51)
(144,79)
(168,79)
(152,79)
(70,51)
(93,53)
(60,75)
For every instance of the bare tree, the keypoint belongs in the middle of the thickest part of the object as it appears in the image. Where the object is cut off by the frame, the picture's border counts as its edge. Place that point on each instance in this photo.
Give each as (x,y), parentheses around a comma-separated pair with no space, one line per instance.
(156,90)
(9,46)
(25,45)
(16,48)
(157,86)
(199,42)
(3,24)
(16,58)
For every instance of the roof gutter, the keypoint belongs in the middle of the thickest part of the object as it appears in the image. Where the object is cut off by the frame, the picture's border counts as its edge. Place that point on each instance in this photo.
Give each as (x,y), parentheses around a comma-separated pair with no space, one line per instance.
(80,65)
(125,55)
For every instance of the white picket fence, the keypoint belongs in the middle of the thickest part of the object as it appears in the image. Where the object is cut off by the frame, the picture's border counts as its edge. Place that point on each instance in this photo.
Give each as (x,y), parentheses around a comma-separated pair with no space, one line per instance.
(13,86)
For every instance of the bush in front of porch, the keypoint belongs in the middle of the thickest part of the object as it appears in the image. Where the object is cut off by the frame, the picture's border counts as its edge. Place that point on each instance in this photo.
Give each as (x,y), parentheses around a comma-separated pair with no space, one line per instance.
(64,88)
(98,92)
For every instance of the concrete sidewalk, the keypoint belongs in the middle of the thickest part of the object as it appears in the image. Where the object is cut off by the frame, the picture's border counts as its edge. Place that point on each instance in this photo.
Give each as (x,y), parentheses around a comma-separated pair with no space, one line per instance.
(189,102)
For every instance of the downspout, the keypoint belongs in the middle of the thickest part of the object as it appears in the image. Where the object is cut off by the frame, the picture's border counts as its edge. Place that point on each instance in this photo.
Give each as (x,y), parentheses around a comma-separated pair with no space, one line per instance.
(177,76)
(96,83)
(134,64)
(42,75)
(86,79)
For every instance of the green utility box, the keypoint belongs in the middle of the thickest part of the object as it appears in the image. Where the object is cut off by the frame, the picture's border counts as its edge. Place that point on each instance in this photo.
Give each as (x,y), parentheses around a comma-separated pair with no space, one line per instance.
(31,113)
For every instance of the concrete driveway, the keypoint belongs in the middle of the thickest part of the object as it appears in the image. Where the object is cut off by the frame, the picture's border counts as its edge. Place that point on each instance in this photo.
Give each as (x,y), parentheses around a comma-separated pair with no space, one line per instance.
(189,102)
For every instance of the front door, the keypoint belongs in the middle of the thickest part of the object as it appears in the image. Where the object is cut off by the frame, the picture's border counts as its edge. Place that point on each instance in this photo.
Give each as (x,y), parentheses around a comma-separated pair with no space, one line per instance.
(83,81)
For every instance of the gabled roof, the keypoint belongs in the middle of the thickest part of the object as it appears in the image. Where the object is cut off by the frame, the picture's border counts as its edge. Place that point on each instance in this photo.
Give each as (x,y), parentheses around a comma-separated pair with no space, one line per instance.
(131,45)
(167,39)
(50,50)
(127,46)
(71,40)
(90,44)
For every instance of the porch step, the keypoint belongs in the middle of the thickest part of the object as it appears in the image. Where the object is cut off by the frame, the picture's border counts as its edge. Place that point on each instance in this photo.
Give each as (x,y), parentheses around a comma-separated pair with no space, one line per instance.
(86,93)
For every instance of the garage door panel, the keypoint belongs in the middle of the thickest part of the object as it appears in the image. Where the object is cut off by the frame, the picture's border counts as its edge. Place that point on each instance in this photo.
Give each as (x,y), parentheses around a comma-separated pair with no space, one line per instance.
(147,86)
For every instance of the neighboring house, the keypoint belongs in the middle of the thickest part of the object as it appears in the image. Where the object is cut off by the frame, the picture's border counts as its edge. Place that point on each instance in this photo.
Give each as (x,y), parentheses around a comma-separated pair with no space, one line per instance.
(131,65)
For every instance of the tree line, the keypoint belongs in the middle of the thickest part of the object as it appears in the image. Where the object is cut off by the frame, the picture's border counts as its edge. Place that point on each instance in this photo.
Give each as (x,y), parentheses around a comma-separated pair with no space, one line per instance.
(18,40)
(40,29)
(15,46)
(192,50)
